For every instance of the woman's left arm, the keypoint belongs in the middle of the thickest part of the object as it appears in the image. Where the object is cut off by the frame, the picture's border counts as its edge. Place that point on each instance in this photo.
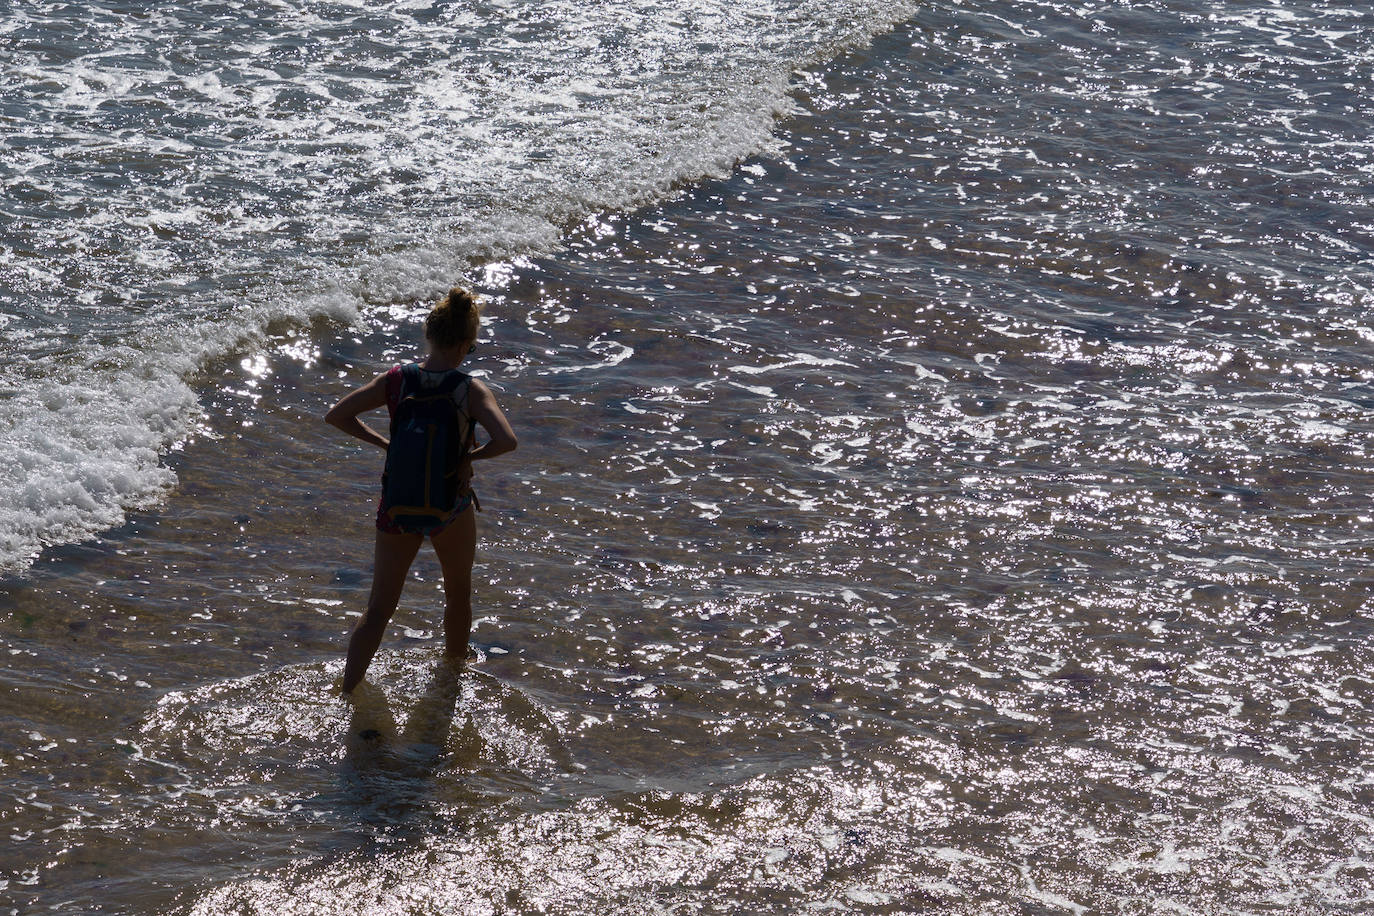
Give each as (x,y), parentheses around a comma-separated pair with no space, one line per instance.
(483,408)
(344,414)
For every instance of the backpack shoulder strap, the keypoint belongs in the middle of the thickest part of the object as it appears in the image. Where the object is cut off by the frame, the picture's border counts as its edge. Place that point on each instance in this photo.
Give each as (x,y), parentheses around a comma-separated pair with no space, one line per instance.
(461,387)
(453,380)
(454,384)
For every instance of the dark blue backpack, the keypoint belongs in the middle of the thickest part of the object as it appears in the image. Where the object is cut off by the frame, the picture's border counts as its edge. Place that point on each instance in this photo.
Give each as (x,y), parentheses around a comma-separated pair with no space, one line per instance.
(431,435)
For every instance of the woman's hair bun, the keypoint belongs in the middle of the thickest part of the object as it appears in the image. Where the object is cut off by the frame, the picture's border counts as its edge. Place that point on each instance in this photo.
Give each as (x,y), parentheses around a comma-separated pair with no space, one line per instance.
(454,320)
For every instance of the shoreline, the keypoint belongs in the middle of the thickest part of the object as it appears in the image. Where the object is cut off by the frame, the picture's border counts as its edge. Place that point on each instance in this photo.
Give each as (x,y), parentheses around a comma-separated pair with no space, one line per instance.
(838,566)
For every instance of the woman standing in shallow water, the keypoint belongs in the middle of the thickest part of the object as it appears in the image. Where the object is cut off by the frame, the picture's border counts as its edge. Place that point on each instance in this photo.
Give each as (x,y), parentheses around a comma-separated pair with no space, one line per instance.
(450,332)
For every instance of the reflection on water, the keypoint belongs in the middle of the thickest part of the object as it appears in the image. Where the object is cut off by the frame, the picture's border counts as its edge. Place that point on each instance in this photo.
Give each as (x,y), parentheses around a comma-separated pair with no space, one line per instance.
(963,512)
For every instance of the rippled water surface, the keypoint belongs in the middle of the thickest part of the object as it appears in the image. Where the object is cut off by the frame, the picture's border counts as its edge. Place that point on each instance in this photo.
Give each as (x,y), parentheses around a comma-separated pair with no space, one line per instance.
(961,508)
(180,180)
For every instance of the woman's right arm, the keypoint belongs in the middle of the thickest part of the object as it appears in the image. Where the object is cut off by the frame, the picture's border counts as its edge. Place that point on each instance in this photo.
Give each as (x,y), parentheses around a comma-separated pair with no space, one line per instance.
(483,408)
(344,414)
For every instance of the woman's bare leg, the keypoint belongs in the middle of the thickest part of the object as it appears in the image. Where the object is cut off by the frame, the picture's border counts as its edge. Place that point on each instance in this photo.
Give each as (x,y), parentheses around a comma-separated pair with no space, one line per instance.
(455,547)
(394,554)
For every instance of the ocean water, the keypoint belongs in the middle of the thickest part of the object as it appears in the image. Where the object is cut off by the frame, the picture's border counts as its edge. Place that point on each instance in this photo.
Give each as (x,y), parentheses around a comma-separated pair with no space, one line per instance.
(943,472)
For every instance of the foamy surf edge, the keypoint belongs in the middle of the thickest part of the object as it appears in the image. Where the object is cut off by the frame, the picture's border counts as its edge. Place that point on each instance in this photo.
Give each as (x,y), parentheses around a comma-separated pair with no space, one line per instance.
(88,435)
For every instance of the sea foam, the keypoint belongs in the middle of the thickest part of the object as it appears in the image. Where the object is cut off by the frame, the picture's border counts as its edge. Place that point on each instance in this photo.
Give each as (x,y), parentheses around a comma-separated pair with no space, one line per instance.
(177,182)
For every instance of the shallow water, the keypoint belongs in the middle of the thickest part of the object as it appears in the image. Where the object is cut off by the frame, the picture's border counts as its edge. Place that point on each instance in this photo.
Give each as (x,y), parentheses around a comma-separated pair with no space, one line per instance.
(959,510)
